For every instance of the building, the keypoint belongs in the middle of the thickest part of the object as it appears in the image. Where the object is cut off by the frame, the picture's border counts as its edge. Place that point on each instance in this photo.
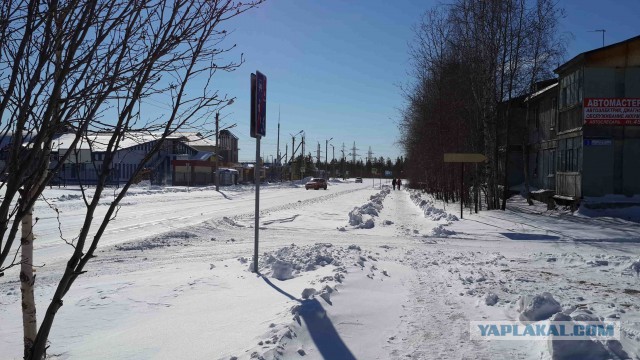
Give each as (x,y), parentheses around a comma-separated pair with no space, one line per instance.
(228,143)
(541,118)
(183,158)
(598,127)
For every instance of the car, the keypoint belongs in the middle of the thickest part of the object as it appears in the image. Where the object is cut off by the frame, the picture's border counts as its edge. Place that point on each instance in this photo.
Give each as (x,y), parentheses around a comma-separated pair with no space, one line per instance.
(316,183)
(358,179)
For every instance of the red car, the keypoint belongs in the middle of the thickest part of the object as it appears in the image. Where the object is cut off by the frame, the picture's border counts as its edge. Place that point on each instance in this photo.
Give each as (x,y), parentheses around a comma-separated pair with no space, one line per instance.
(316,183)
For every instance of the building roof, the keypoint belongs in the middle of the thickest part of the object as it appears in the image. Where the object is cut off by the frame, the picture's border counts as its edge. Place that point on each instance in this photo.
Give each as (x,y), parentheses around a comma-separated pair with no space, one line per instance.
(194,139)
(225,131)
(581,57)
(98,142)
(541,91)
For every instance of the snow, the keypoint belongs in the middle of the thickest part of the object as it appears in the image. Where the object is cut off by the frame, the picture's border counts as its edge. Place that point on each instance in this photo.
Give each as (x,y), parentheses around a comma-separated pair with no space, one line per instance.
(354,272)
(538,307)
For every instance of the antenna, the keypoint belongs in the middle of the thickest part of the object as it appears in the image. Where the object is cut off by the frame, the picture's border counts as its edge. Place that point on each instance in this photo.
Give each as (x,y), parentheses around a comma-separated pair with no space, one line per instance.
(602,31)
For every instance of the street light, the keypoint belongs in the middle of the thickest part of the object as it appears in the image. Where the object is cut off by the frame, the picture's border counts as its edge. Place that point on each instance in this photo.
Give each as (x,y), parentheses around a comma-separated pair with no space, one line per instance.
(326,146)
(333,159)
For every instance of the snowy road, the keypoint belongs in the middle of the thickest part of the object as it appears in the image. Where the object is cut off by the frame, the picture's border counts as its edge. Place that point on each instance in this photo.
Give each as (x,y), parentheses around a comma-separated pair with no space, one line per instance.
(171,278)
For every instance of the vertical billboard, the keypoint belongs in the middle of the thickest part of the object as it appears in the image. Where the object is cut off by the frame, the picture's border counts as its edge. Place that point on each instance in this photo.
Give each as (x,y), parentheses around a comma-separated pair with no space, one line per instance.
(258,105)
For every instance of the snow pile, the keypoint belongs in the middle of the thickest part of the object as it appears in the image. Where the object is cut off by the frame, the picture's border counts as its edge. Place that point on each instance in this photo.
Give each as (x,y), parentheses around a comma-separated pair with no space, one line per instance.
(441,231)
(538,307)
(612,206)
(362,217)
(635,267)
(430,210)
(583,349)
(288,262)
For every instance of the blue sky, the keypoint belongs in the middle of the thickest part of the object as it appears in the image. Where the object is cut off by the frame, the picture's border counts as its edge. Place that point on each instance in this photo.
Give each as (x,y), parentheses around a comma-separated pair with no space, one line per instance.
(334,67)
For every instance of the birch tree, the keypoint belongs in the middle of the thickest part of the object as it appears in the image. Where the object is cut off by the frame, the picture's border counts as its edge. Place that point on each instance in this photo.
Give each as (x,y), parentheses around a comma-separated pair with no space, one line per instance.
(86,66)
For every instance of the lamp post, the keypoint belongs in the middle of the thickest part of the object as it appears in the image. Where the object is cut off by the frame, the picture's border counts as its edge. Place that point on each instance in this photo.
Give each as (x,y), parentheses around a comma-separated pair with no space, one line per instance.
(326,164)
(333,159)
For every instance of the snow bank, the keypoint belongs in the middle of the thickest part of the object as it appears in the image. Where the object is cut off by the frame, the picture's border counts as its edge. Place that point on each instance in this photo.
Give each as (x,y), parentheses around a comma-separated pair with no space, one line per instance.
(430,210)
(363,217)
(288,262)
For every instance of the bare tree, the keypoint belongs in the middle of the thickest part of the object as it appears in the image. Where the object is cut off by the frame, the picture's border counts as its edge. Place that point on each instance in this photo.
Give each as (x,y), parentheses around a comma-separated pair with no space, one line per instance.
(83,67)
(543,50)
(471,60)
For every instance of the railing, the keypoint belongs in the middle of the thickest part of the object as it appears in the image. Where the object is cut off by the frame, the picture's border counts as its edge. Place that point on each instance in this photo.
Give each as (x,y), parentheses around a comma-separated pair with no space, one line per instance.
(569,184)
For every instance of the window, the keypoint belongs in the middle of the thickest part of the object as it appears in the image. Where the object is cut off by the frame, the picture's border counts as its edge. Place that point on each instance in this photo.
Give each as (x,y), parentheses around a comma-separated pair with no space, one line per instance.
(571,89)
(570,154)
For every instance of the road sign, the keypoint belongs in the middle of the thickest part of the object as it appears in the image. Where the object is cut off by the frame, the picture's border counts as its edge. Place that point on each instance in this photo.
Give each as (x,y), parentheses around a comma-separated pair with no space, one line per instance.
(598,142)
(259,105)
(258,129)
(464,158)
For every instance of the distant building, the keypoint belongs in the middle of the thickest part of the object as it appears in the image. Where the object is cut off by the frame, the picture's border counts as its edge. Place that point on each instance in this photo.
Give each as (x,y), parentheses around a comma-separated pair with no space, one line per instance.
(183,159)
(228,148)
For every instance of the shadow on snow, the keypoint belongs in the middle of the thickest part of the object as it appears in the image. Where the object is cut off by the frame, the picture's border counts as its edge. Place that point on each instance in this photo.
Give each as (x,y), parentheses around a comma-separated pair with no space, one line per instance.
(320,327)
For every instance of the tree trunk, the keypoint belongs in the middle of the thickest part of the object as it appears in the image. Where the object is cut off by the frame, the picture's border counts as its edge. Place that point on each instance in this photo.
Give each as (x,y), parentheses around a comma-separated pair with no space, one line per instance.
(27,281)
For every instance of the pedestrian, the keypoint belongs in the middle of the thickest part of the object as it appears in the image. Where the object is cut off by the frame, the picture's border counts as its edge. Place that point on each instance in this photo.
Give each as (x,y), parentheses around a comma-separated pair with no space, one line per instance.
(393,182)
(399,183)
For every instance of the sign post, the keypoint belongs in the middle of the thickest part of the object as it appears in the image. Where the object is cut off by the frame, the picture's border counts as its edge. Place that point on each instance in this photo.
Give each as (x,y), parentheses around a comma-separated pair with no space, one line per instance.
(463,158)
(258,130)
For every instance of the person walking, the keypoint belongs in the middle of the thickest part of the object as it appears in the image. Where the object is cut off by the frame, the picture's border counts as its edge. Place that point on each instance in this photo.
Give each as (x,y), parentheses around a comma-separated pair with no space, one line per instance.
(399,182)
(393,182)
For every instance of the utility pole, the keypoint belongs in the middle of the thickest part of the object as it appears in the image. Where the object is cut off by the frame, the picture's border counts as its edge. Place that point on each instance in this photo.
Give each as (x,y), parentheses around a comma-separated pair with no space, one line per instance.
(293,154)
(286,156)
(326,153)
(333,161)
(278,142)
(293,147)
(344,160)
(354,153)
(216,173)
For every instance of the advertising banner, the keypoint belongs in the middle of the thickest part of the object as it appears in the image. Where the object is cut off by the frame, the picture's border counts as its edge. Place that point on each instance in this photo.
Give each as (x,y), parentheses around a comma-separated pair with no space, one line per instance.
(611,111)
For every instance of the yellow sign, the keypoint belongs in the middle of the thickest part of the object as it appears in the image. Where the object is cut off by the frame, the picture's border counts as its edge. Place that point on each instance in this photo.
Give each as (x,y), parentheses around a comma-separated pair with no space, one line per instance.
(464,158)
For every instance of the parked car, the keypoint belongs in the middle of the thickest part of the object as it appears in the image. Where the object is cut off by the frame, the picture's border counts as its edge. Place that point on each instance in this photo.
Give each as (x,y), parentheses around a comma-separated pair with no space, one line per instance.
(358,179)
(316,183)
